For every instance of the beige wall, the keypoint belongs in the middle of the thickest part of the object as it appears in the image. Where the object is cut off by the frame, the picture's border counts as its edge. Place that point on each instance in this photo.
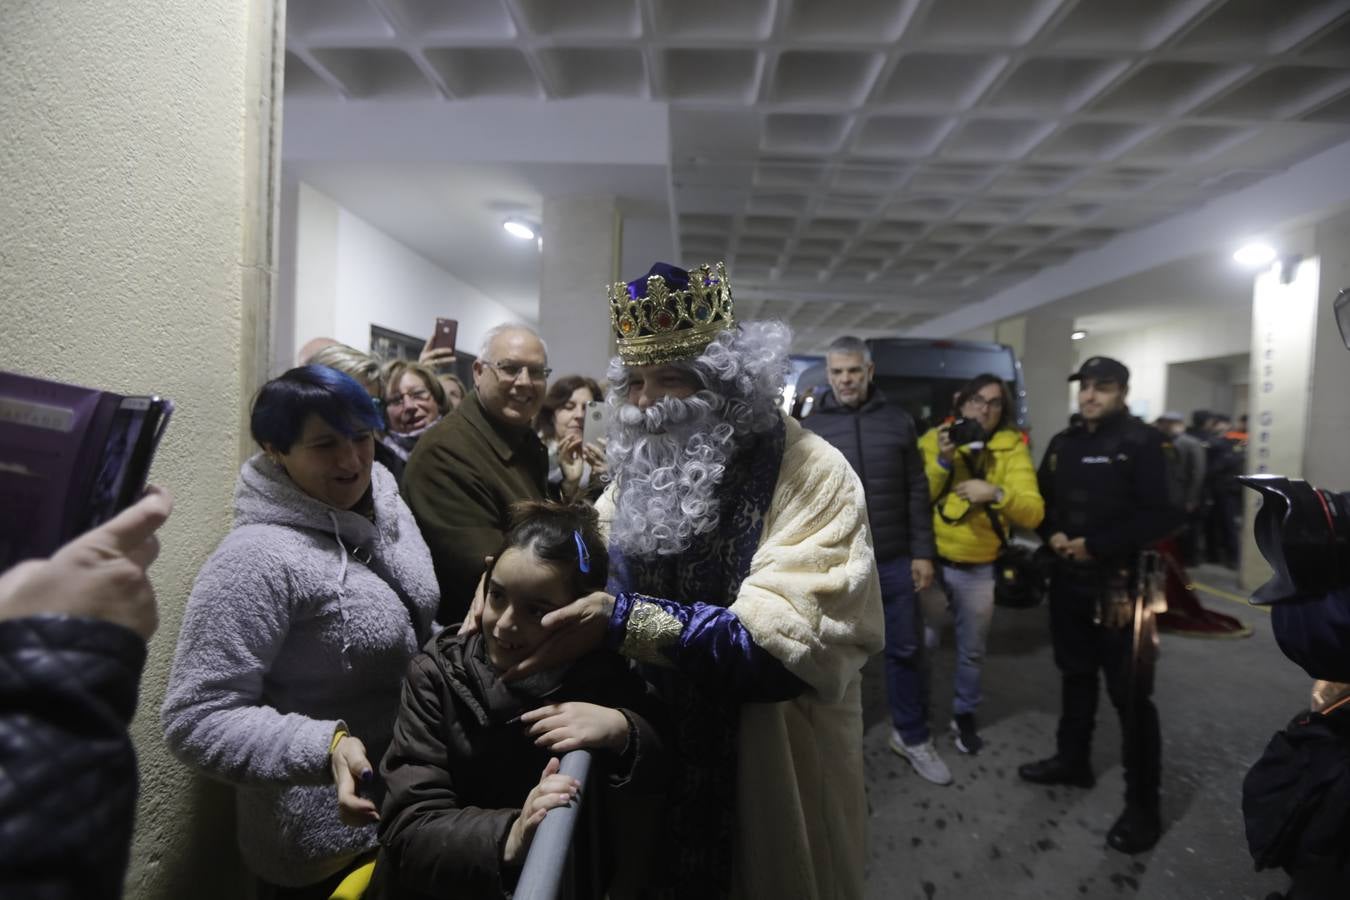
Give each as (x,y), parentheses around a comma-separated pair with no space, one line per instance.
(134,163)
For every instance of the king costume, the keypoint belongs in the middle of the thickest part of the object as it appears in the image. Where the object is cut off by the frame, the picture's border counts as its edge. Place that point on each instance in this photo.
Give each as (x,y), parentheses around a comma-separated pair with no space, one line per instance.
(755,635)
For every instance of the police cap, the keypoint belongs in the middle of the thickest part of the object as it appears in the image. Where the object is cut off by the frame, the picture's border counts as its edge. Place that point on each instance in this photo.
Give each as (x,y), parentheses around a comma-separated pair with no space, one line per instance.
(1102,368)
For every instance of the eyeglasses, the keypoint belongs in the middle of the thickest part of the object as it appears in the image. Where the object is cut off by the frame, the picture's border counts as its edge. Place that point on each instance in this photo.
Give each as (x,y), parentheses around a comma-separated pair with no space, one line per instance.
(510,371)
(985,403)
(421,395)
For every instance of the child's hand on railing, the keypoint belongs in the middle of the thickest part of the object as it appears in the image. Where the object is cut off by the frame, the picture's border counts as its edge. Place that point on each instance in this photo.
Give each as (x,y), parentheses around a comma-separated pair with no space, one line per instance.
(552,791)
(562,727)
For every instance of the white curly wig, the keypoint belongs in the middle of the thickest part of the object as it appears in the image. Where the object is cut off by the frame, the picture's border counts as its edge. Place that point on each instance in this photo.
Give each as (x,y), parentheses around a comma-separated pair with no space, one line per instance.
(669,459)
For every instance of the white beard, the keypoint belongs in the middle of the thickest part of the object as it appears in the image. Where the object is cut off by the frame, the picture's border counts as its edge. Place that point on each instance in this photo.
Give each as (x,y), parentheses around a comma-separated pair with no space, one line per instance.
(668,461)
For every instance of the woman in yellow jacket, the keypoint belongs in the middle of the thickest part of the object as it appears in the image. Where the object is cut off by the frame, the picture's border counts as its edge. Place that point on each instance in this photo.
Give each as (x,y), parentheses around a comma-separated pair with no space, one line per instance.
(991,473)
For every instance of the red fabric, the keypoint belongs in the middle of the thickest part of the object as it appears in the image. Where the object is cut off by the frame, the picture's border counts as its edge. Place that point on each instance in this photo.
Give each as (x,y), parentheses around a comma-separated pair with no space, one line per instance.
(1185,614)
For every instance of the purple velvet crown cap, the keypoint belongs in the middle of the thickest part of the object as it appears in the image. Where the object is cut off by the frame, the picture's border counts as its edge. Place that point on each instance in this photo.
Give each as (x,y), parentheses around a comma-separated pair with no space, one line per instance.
(676,279)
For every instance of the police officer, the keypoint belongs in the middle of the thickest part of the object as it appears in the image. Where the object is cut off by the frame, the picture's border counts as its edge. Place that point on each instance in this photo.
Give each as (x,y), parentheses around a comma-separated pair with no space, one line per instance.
(1106,499)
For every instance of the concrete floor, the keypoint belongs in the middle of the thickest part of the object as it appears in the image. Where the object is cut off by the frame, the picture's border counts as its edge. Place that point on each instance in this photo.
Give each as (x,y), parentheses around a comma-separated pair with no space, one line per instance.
(990,835)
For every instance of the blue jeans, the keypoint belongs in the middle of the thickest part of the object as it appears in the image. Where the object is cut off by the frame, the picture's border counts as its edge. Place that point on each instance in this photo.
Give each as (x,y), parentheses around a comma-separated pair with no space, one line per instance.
(906,658)
(970,597)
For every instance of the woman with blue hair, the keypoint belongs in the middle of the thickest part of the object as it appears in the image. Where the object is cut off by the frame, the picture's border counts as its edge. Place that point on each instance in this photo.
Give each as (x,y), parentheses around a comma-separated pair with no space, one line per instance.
(297,635)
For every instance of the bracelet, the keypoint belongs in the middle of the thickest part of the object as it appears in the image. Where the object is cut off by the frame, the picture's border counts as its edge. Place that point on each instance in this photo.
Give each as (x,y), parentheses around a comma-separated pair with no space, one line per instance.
(338,735)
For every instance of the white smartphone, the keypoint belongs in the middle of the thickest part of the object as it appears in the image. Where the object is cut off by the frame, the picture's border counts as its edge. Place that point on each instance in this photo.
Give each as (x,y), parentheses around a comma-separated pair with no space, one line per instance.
(597,422)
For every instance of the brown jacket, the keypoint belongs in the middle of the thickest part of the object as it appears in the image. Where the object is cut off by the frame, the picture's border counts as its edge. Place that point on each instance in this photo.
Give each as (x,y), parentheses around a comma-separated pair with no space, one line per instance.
(460,482)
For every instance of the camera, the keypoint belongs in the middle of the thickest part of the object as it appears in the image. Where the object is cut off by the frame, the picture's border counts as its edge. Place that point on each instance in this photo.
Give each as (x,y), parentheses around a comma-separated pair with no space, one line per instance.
(966,431)
(1304,533)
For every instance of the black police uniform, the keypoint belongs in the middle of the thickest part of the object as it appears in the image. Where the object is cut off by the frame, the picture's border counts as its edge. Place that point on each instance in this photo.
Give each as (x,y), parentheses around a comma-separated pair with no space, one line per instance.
(1109,486)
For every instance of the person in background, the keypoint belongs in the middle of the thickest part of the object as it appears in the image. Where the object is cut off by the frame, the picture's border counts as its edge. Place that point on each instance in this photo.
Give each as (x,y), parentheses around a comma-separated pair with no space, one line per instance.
(971,485)
(454,390)
(575,469)
(413,402)
(440,360)
(367,371)
(363,367)
(881,443)
(305,354)
(1190,477)
(72,646)
(1225,459)
(469,468)
(473,768)
(742,576)
(297,634)
(1106,500)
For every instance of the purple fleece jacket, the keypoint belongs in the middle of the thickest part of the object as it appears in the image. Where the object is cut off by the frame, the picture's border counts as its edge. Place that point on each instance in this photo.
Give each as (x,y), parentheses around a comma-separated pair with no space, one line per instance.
(286,634)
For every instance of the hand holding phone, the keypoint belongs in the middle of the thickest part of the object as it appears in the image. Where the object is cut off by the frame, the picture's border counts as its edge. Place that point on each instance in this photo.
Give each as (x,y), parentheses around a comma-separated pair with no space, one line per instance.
(596,423)
(439,351)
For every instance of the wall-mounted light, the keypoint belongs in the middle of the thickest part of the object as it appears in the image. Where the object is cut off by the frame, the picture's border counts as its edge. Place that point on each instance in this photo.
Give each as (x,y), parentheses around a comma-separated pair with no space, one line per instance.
(1078,335)
(519,228)
(1254,254)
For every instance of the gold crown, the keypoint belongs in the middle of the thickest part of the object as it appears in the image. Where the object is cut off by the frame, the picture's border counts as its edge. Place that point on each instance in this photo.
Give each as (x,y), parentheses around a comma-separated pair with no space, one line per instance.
(665,324)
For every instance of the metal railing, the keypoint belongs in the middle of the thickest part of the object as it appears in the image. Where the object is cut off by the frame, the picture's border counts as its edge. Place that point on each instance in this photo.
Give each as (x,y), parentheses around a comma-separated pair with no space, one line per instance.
(544,875)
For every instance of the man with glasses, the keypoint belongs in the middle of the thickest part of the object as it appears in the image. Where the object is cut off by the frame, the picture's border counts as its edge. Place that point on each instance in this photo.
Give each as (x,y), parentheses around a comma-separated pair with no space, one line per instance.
(468,469)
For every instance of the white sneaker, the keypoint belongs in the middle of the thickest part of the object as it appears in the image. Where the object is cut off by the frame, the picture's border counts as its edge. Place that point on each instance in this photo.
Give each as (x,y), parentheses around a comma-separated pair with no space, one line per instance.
(923,757)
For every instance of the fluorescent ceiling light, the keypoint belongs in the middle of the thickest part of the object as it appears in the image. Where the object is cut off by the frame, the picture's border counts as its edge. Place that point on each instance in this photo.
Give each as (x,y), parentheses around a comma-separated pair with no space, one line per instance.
(1255,254)
(519,228)
(1078,335)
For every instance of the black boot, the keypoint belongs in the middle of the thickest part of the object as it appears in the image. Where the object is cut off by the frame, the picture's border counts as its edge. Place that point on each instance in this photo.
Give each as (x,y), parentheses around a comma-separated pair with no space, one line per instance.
(1137,829)
(1056,771)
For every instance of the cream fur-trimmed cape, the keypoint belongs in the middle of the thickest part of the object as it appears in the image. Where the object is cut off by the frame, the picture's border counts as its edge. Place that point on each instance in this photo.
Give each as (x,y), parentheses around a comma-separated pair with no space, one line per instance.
(812,599)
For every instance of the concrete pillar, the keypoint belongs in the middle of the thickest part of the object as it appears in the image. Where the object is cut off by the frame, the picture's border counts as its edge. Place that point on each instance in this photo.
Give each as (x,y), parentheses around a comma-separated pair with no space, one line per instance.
(581,254)
(1047,357)
(136,254)
(1284,326)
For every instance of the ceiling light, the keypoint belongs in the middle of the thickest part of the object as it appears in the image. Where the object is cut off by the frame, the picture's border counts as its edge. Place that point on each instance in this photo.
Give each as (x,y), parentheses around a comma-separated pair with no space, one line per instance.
(1255,254)
(519,228)
(1078,335)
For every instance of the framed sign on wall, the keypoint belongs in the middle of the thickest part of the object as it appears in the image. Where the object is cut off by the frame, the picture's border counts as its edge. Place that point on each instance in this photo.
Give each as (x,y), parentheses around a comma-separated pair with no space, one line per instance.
(388,344)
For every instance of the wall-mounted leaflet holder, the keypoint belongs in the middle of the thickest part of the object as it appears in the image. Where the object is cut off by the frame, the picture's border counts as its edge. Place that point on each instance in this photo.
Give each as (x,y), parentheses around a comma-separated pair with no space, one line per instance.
(70,459)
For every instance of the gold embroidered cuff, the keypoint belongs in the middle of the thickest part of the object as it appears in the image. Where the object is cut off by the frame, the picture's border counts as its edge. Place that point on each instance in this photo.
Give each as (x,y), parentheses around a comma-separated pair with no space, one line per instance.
(649,630)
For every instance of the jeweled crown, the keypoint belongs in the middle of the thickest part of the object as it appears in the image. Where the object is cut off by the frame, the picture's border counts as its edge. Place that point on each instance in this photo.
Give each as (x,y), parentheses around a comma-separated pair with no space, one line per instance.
(670,314)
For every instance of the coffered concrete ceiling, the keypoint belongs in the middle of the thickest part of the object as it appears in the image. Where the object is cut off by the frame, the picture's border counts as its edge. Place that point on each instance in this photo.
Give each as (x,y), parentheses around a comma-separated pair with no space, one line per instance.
(861,164)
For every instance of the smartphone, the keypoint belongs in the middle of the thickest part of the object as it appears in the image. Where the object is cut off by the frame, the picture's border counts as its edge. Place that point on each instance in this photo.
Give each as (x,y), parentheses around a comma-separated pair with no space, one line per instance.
(597,422)
(136,429)
(444,335)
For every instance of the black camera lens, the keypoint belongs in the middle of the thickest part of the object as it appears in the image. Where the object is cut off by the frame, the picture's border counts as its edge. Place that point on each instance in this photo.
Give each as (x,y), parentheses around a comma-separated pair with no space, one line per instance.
(1304,533)
(965,431)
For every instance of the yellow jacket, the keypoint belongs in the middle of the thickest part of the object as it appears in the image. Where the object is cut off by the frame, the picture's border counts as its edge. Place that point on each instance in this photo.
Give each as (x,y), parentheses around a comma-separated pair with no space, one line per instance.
(1007,465)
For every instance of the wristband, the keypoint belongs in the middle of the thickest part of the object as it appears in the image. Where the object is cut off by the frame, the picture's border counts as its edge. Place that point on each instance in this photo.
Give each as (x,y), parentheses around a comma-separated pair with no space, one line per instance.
(338,735)
(945,464)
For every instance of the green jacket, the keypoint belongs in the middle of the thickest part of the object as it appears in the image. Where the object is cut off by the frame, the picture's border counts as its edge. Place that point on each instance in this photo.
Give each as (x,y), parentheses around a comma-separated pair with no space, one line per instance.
(461,480)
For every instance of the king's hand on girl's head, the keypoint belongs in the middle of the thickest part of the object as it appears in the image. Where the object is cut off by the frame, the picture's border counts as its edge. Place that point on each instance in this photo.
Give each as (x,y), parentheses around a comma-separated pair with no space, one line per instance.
(575,630)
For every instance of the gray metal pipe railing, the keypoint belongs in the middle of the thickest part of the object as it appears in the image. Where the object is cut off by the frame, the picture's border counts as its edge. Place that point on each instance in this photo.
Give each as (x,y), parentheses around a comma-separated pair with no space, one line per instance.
(545,867)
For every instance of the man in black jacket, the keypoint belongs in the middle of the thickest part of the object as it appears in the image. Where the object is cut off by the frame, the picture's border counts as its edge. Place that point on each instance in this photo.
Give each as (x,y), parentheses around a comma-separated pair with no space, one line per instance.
(1106,499)
(881,443)
(72,644)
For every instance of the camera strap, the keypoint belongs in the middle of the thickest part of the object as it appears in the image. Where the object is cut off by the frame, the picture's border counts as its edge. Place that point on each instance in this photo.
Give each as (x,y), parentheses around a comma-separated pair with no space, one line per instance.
(976,471)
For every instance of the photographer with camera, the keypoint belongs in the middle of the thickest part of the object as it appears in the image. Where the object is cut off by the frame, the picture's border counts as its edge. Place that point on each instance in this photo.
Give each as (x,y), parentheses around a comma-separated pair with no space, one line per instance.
(980,476)
(1105,486)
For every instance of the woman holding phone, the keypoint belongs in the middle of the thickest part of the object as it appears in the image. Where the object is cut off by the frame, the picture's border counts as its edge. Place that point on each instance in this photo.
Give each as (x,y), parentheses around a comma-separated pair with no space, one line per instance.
(297,634)
(576,469)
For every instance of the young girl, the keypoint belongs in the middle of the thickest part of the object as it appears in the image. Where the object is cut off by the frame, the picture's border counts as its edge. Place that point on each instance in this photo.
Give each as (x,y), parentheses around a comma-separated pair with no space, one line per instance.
(466,791)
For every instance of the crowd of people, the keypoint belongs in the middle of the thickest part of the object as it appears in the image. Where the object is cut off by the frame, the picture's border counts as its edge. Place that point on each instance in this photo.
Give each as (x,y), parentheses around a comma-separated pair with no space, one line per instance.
(430,594)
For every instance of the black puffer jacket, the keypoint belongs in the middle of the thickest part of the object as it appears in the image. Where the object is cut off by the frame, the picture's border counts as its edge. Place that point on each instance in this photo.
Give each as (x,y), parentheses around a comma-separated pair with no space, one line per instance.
(461,764)
(67,768)
(881,443)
